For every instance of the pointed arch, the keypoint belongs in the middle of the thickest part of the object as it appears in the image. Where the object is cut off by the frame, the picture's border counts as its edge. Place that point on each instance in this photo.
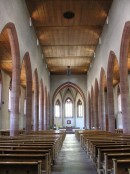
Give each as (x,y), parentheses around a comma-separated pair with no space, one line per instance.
(124,87)
(70,84)
(112,64)
(15,54)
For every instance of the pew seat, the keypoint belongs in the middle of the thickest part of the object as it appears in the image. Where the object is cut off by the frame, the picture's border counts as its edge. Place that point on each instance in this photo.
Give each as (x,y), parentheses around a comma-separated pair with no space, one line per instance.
(15,167)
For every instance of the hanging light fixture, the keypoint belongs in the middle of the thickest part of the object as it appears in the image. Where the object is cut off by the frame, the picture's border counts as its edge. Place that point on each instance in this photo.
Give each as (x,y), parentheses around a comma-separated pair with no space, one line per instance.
(68,70)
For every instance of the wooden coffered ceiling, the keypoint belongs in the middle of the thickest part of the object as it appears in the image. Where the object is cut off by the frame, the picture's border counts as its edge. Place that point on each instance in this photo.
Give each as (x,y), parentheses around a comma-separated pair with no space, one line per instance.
(68,42)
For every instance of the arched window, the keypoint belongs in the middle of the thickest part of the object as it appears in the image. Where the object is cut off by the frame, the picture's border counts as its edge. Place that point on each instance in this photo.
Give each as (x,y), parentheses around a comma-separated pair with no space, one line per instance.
(79,108)
(68,108)
(57,109)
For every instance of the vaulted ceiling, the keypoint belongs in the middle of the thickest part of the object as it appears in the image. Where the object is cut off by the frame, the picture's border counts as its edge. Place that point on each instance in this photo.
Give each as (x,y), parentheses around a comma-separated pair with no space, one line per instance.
(68,31)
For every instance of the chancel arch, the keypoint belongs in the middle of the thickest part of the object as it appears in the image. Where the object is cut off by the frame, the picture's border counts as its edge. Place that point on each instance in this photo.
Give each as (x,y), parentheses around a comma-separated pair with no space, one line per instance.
(70,93)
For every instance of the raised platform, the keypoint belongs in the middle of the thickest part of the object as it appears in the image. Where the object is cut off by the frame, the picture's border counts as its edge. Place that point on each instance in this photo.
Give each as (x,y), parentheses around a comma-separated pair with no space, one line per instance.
(69,130)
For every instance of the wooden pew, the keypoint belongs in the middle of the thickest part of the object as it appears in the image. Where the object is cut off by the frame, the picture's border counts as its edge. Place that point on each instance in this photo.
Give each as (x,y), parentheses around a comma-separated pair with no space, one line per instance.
(27,158)
(9,167)
(29,151)
(100,159)
(106,146)
(108,160)
(121,166)
(32,147)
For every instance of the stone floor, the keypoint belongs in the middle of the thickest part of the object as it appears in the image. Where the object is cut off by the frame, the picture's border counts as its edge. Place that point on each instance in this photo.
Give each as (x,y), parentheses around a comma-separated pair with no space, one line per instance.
(72,159)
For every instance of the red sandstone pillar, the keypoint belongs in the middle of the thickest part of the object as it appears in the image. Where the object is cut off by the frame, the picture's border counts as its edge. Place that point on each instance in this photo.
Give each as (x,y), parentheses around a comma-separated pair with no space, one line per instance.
(36,106)
(96,109)
(14,114)
(102,110)
(89,110)
(41,108)
(45,109)
(110,99)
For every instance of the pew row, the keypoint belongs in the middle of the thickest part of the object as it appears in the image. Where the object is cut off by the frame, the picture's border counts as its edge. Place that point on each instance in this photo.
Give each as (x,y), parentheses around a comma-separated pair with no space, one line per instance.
(29,167)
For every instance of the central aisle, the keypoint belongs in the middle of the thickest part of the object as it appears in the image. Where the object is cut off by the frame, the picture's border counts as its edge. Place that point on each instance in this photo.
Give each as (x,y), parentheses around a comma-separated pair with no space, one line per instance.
(73,159)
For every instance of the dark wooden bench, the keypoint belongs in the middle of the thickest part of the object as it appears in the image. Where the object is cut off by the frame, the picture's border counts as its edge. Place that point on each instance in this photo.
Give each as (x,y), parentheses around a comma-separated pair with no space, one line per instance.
(29,151)
(94,152)
(27,158)
(32,147)
(107,166)
(101,152)
(9,167)
(121,166)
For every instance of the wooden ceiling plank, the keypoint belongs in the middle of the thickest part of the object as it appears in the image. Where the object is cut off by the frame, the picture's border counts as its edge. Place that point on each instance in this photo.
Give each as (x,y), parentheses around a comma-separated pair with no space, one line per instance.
(68,42)
(79,27)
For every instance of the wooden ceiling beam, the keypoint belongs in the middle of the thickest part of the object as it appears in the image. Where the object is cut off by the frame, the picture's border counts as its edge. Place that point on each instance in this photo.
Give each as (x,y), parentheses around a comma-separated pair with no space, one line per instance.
(86,45)
(71,27)
(5,60)
(66,66)
(70,57)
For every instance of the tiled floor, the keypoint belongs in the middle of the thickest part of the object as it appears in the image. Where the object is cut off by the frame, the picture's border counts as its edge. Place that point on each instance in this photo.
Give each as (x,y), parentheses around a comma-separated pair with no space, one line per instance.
(72,159)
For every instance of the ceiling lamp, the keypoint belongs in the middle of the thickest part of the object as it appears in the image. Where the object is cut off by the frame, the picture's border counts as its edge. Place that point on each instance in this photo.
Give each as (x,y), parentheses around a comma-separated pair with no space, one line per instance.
(68,70)
(69,15)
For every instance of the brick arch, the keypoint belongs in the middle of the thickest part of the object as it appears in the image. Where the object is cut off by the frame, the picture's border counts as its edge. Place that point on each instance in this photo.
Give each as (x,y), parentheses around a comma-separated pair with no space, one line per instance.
(92,107)
(28,71)
(15,54)
(124,87)
(41,114)
(89,111)
(70,84)
(36,99)
(110,97)
(96,104)
(102,112)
